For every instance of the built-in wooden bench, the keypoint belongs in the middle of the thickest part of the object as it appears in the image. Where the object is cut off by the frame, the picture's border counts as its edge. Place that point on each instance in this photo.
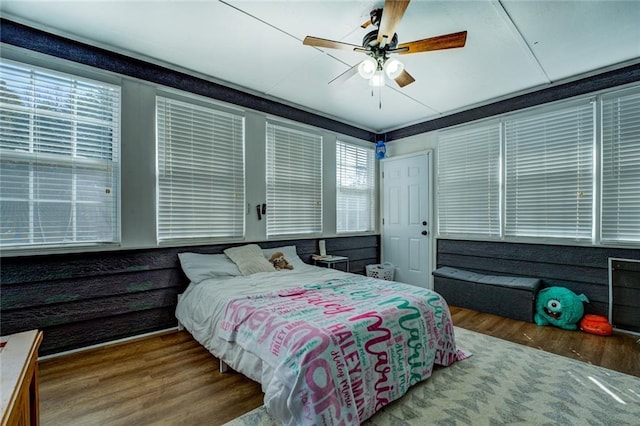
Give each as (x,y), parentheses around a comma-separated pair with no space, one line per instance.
(507,296)
(581,269)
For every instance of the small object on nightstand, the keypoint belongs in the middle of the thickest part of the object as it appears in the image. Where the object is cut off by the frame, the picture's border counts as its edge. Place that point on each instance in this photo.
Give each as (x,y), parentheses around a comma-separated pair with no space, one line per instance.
(321,256)
(329,261)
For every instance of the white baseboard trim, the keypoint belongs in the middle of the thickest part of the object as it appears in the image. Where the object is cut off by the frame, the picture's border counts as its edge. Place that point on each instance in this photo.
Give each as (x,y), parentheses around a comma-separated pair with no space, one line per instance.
(112,342)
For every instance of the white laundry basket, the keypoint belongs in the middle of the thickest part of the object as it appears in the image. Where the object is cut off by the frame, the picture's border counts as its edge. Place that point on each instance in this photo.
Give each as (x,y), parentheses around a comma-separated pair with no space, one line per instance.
(382,271)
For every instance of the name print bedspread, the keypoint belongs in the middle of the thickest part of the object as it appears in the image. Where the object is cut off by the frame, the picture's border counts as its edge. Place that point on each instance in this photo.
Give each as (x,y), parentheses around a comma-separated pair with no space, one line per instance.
(343,348)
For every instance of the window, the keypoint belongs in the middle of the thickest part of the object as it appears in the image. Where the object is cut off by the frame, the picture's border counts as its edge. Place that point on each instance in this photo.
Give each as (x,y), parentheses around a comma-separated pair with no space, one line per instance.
(469,181)
(294,181)
(200,172)
(621,167)
(355,188)
(552,182)
(59,157)
(549,173)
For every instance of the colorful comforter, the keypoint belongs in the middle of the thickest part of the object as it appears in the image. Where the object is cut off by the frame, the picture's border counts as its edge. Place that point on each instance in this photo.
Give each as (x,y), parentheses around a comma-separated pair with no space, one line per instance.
(343,348)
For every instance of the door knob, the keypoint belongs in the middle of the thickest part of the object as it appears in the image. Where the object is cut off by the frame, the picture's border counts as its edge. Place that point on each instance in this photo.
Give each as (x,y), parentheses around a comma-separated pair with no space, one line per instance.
(425,232)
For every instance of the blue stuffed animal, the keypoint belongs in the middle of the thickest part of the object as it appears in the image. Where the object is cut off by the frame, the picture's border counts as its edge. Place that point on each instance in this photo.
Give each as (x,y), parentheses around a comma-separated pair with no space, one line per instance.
(559,306)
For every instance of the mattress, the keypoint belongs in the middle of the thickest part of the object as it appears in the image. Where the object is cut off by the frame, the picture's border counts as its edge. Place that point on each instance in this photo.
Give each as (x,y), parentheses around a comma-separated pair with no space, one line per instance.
(328,347)
(201,307)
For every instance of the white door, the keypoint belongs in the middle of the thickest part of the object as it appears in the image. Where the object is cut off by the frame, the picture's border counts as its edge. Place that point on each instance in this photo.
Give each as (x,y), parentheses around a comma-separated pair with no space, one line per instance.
(406,227)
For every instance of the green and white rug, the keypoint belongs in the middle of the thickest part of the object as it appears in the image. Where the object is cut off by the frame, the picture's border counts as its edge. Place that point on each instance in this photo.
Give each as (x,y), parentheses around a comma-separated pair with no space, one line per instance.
(506,383)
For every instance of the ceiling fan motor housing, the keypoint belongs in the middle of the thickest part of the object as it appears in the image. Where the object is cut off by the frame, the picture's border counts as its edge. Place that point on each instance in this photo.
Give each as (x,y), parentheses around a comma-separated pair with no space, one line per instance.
(370,41)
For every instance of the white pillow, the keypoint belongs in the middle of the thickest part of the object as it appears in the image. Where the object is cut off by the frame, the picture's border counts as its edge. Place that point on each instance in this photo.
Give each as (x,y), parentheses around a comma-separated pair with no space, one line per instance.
(249,259)
(289,253)
(198,267)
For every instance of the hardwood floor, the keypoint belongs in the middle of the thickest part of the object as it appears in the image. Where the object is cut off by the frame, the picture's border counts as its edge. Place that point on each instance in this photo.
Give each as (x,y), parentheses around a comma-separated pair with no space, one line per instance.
(619,352)
(170,379)
(165,379)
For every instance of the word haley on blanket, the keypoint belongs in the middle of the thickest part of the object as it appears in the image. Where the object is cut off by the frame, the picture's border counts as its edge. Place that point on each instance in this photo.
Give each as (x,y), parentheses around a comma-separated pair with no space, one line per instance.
(345,348)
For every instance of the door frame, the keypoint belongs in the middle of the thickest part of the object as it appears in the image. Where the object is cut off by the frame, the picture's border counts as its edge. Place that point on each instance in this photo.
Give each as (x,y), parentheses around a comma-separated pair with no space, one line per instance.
(431,242)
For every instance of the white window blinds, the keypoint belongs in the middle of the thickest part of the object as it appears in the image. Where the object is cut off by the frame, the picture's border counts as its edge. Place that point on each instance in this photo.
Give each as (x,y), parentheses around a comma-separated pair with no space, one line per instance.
(355,188)
(294,181)
(200,172)
(469,181)
(59,158)
(621,168)
(549,173)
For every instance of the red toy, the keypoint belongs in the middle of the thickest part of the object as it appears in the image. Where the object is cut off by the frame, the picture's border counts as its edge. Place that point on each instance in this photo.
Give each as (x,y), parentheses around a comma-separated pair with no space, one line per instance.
(596,324)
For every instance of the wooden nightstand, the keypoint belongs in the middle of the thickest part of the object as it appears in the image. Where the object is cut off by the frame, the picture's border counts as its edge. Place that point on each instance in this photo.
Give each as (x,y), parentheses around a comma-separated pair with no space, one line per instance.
(19,378)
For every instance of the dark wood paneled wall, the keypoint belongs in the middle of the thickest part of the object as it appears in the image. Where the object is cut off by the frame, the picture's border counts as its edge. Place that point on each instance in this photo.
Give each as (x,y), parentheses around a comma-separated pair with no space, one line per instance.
(88,298)
(580,269)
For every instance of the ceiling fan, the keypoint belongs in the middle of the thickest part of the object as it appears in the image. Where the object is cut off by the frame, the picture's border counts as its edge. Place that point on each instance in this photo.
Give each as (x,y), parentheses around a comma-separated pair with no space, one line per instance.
(382,42)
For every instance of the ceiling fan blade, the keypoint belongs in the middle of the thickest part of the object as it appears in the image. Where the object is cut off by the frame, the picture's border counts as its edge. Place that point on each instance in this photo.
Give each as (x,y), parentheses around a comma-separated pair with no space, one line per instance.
(346,75)
(404,79)
(392,13)
(365,24)
(330,44)
(447,41)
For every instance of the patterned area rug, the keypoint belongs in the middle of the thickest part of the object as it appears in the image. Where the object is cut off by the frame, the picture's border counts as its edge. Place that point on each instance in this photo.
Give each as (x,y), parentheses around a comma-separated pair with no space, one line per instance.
(506,383)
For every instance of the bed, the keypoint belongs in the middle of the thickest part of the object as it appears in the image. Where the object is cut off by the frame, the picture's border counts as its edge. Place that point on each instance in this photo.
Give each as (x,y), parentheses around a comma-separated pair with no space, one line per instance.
(328,347)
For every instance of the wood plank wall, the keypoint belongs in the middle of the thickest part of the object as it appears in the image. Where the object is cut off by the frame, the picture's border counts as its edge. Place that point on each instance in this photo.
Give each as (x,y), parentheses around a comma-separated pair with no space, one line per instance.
(84,299)
(580,269)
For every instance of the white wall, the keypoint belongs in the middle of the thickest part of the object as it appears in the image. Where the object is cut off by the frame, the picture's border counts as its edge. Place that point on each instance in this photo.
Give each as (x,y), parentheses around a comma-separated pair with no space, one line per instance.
(411,144)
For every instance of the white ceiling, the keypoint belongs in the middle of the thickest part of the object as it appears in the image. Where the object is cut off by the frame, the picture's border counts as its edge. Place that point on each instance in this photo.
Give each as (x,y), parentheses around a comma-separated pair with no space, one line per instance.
(512,47)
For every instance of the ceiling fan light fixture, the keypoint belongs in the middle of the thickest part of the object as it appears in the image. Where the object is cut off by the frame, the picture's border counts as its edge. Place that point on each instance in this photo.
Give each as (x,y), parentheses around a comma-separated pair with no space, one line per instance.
(377,79)
(393,68)
(381,42)
(367,68)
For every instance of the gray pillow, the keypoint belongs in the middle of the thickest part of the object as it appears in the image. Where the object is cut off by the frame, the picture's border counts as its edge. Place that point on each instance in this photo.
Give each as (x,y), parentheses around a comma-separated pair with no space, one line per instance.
(198,267)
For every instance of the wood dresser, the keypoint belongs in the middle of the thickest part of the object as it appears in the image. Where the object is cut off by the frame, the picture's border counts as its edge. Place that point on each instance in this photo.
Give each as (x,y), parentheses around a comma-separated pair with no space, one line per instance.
(19,378)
